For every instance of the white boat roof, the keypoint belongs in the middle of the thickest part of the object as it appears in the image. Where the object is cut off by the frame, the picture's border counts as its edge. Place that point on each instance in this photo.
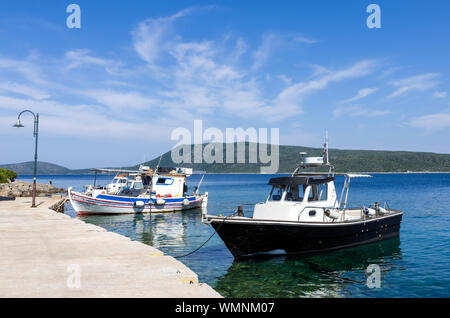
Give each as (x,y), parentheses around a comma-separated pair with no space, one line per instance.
(139,172)
(120,171)
(356,175)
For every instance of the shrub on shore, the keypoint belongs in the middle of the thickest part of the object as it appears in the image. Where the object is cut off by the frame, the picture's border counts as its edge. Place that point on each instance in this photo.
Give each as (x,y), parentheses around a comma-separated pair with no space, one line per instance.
(6,175)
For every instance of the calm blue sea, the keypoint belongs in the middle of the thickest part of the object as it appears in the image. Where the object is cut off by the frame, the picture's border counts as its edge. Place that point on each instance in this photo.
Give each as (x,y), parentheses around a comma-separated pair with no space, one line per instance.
(415,265)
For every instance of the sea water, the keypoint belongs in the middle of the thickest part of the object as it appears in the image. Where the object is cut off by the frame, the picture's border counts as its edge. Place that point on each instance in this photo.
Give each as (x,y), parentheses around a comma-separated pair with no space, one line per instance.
(417,264)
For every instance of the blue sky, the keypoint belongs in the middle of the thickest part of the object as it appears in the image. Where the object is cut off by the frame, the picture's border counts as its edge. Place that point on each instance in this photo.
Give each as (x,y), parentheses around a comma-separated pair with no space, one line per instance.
(110,93)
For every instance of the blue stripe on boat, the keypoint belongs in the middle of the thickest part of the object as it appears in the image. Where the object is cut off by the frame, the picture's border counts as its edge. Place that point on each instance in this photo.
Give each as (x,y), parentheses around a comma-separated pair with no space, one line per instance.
(146,200)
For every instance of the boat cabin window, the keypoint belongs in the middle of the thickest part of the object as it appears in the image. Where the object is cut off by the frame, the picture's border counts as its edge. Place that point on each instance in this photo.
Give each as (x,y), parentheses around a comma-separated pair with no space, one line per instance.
(277,193)
(164,181)
(138,186)
(318,192)
(295,193)
(146,180)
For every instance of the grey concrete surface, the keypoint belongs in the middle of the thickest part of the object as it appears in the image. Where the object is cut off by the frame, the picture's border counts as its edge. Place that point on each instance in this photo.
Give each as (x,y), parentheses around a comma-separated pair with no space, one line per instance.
(49,254)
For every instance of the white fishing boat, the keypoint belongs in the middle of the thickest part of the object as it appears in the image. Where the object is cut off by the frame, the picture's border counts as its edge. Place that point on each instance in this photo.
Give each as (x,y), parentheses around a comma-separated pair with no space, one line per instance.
(303,215)
(139,191)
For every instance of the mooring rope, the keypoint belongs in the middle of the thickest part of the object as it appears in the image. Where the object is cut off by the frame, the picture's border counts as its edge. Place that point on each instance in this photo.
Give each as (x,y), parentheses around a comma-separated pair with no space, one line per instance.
(215,231)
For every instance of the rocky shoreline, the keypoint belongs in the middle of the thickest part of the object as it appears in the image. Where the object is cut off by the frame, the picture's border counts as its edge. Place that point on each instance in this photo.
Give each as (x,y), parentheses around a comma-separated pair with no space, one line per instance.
(25,189)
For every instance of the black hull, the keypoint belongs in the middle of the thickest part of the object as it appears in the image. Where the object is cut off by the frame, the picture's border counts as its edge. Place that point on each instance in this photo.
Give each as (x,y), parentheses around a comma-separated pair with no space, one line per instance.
(254,238)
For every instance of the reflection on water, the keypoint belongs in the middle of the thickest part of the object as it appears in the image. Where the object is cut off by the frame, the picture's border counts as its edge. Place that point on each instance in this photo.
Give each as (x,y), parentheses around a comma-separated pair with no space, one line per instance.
(335,274)
(161,230)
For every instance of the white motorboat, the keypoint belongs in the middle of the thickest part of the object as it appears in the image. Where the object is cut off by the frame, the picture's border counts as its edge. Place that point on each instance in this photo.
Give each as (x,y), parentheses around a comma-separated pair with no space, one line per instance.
(303,215)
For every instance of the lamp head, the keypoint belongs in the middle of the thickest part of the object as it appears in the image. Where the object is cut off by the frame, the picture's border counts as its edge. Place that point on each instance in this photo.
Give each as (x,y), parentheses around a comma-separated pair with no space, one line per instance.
(18,124)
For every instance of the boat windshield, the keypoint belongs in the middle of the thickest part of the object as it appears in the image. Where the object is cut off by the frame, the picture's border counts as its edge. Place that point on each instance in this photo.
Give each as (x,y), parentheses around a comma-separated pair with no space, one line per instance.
(277,193)
(119,180)
(295,192)
(137,185)
(318,192)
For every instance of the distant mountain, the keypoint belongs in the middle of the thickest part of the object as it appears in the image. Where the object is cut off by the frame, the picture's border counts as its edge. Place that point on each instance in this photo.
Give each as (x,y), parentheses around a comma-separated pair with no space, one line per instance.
(289,158)
(42,168)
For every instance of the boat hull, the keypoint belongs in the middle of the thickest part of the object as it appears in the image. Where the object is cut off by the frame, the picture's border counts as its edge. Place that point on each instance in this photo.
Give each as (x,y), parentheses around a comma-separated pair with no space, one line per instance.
(110,204)
(252,238)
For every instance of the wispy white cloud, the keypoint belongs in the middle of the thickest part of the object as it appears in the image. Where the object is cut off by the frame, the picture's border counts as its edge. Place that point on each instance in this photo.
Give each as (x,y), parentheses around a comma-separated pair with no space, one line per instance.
(25,90)
(289,101)
(204,77)
(358,111)
(358,69)
(420,82)
(388,72)
(27,68)
(198,87)
(119,100)
(150,37)
(83,57)
(438,94)
(303,39)
(364,92)
(201,78)
(319,70)
(431,122)
(284,78)
(240,49)
(271,42)
(78,120)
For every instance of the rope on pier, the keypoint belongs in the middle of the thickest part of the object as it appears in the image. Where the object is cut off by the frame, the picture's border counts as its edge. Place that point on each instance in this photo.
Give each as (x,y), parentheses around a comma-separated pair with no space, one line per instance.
(60,205)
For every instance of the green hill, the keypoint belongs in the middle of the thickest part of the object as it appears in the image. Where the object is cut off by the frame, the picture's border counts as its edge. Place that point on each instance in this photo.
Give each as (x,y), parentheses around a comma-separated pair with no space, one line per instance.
(289,158)
(42,168)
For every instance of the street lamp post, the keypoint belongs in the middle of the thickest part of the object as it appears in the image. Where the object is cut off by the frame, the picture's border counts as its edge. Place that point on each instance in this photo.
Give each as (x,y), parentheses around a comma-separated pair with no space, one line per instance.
(35,134)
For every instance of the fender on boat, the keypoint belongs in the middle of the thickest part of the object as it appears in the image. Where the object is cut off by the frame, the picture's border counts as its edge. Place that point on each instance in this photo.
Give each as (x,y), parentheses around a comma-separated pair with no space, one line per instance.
(160,201)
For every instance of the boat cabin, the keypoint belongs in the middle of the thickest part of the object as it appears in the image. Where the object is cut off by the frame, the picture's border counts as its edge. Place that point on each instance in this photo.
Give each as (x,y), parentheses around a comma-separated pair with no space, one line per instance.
(164,185)
(298,198)
(169,185)
(117,184)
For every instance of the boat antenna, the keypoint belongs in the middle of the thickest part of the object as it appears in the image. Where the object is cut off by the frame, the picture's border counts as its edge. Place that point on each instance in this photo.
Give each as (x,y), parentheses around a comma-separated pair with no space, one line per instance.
(302,163)
(200,183)
(325,153)
(157,167)
(325,150)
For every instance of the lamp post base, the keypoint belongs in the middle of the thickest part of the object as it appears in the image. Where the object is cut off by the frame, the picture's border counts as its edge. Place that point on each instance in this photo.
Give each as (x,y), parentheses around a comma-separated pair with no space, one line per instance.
(33,200)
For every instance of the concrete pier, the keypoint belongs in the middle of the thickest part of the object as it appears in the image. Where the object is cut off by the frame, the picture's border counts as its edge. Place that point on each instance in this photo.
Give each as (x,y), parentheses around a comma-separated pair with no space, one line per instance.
(48,254)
